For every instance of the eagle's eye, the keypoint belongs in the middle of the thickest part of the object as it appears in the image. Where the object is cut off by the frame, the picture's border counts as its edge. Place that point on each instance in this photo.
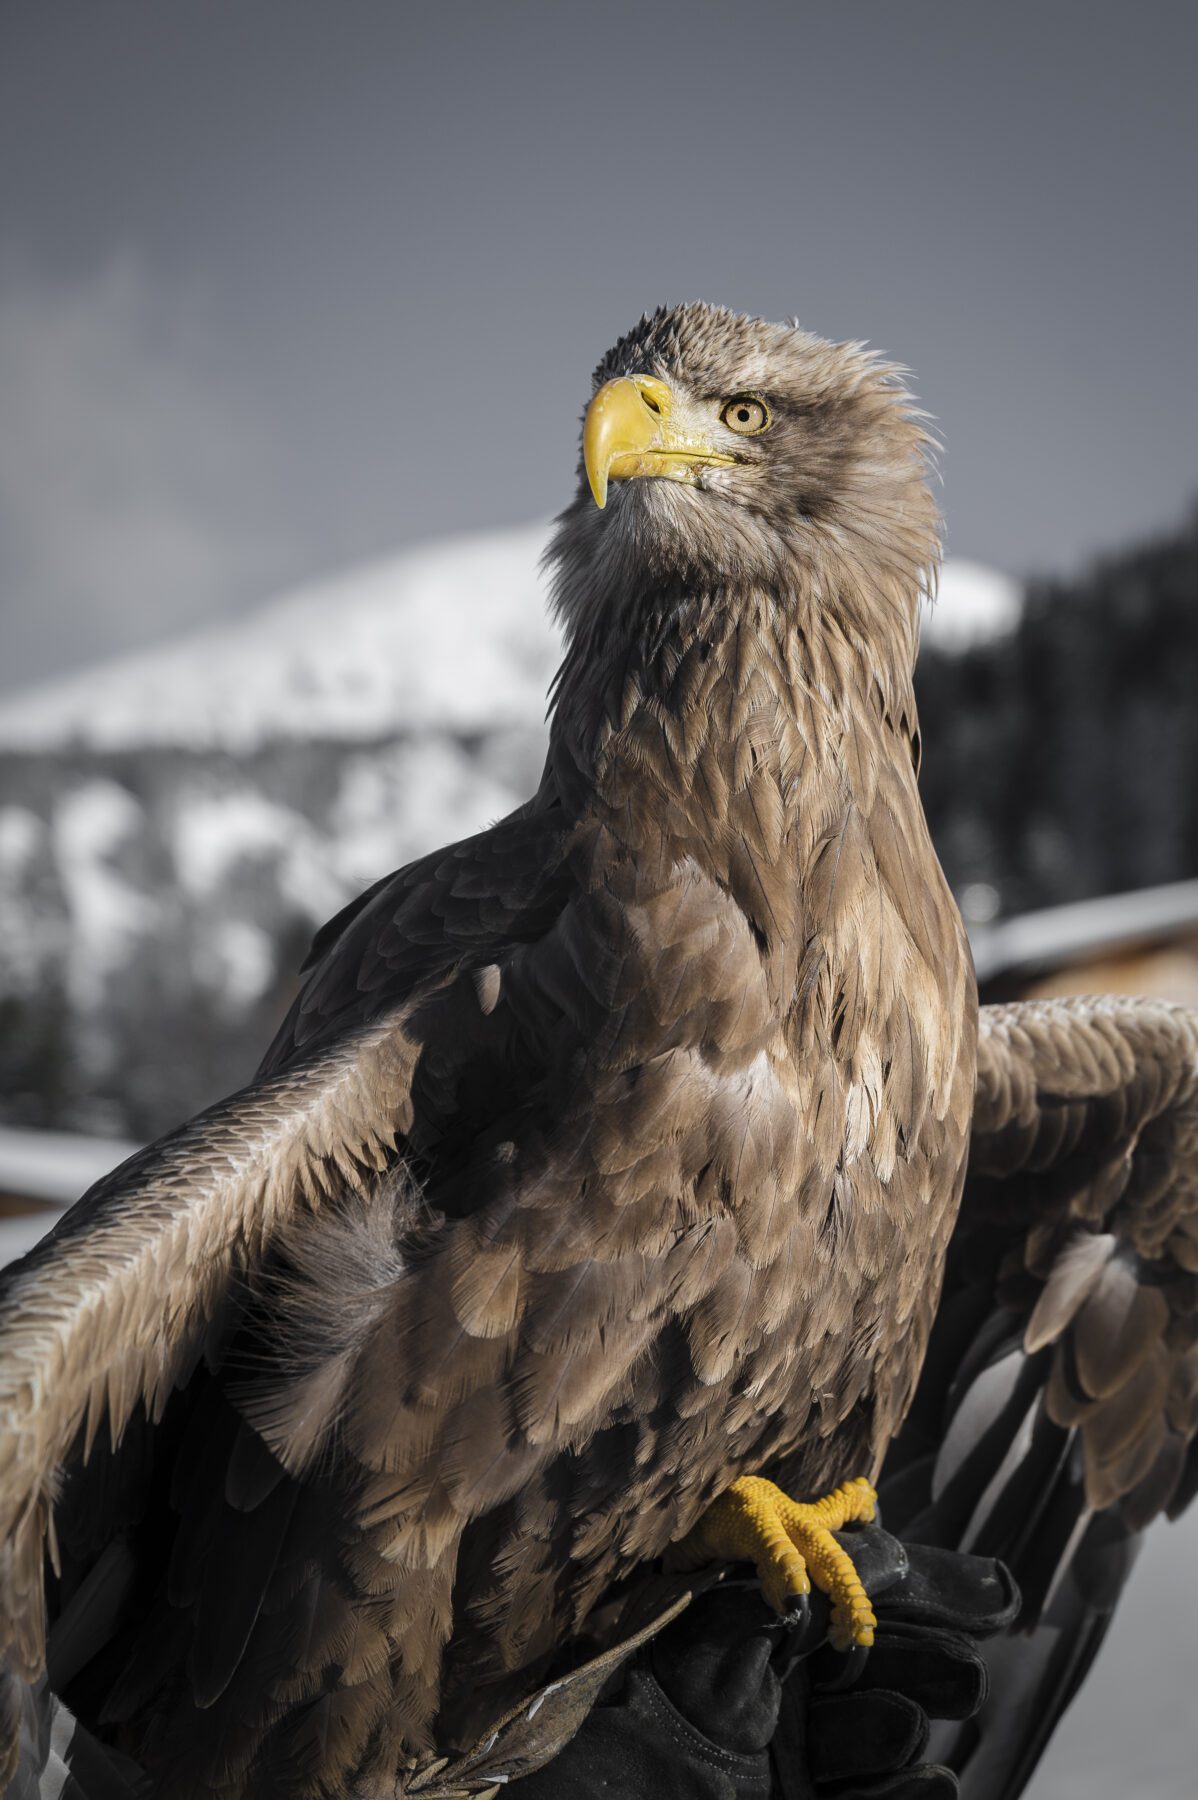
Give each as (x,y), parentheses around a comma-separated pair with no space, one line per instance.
(746,414)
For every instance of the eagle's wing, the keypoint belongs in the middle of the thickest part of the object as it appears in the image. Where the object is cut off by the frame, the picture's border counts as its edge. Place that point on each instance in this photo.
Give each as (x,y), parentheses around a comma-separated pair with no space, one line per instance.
(113,1310)
(1058,1410)
(475,899)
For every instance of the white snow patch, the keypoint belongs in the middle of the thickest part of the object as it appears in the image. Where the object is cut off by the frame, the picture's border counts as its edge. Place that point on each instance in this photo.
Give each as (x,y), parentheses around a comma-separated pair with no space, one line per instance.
(91,821)
(108,915)
(21,835)
(213,832)
(308,880)
(238,961)
(974,605)
(418,796)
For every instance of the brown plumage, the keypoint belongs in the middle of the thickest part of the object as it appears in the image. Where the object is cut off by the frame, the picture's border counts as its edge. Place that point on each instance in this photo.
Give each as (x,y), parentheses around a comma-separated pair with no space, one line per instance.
(1085,1157)
(605,1157)
(1057,1413)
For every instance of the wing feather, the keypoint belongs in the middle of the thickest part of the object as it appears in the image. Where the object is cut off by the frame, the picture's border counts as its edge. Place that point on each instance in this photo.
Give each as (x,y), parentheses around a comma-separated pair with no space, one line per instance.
(150,1273)
(114,1306)
(1088,1122)
(1058,1410)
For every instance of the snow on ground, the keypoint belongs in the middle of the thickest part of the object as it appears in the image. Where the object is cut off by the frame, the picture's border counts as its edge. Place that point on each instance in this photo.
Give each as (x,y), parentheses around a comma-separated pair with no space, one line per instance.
(55,1165)
(445,637)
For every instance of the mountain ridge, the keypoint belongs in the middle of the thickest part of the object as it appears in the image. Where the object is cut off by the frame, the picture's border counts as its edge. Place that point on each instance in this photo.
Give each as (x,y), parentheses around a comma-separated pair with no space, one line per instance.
(440,638)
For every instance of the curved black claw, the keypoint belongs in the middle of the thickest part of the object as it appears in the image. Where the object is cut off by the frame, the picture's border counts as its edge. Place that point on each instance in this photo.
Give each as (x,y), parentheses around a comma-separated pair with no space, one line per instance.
(797,1616)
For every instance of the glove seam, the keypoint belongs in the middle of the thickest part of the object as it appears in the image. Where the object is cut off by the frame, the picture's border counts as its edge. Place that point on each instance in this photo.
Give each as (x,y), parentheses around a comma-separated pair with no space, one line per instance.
(689,1739)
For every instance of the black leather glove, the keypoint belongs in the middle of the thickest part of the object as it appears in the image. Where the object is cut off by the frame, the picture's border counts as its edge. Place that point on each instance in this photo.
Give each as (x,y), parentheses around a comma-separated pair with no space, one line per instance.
(861,1733)
(732,1703)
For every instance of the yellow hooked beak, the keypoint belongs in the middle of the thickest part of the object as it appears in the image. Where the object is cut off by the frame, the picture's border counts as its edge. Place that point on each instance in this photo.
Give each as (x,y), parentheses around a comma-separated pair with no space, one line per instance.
(628,430)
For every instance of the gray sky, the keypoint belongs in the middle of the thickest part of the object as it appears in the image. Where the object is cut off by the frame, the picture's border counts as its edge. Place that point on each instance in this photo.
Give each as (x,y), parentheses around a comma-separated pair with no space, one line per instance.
(286,284)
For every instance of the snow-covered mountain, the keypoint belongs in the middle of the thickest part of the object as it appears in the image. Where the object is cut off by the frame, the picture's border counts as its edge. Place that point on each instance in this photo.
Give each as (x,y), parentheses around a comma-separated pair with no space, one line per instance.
(444,638)
(173,824)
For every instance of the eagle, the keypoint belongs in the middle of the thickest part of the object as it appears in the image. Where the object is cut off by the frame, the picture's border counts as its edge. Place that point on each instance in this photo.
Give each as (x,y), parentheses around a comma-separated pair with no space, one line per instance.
(591,1206)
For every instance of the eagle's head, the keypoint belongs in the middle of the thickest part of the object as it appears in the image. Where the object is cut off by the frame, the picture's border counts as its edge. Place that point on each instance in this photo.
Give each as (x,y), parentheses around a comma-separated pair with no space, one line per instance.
(720,451)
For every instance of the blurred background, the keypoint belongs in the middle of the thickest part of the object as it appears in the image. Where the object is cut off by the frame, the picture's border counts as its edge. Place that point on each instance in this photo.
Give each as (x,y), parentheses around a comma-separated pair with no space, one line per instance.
(298,308)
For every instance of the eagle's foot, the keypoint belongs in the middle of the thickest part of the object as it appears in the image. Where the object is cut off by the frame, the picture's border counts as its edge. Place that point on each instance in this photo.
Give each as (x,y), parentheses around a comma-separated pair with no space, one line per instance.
(791,1545)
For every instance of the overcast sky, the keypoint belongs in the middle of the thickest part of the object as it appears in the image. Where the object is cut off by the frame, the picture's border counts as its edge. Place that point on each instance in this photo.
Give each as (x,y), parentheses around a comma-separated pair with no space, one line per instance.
(286,284)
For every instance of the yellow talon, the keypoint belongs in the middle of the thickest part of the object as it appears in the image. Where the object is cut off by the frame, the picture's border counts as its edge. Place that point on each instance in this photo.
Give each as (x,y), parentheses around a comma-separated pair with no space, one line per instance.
(791,1546)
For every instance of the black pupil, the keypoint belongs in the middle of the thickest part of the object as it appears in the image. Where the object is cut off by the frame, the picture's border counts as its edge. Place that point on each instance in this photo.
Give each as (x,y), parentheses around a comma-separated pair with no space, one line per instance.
(742,413)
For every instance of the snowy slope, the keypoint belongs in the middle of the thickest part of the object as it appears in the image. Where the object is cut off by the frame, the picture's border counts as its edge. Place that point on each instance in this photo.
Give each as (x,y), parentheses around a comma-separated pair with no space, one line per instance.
(438,637)
(446,638)
(175,823)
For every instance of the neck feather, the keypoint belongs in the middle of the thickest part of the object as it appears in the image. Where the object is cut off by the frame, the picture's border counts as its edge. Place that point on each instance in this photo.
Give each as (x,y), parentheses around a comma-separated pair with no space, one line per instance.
(762,742)
(828,656)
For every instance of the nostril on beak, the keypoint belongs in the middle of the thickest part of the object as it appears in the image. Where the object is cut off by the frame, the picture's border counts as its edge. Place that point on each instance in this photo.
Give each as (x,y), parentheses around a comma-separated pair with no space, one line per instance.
(654,394)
